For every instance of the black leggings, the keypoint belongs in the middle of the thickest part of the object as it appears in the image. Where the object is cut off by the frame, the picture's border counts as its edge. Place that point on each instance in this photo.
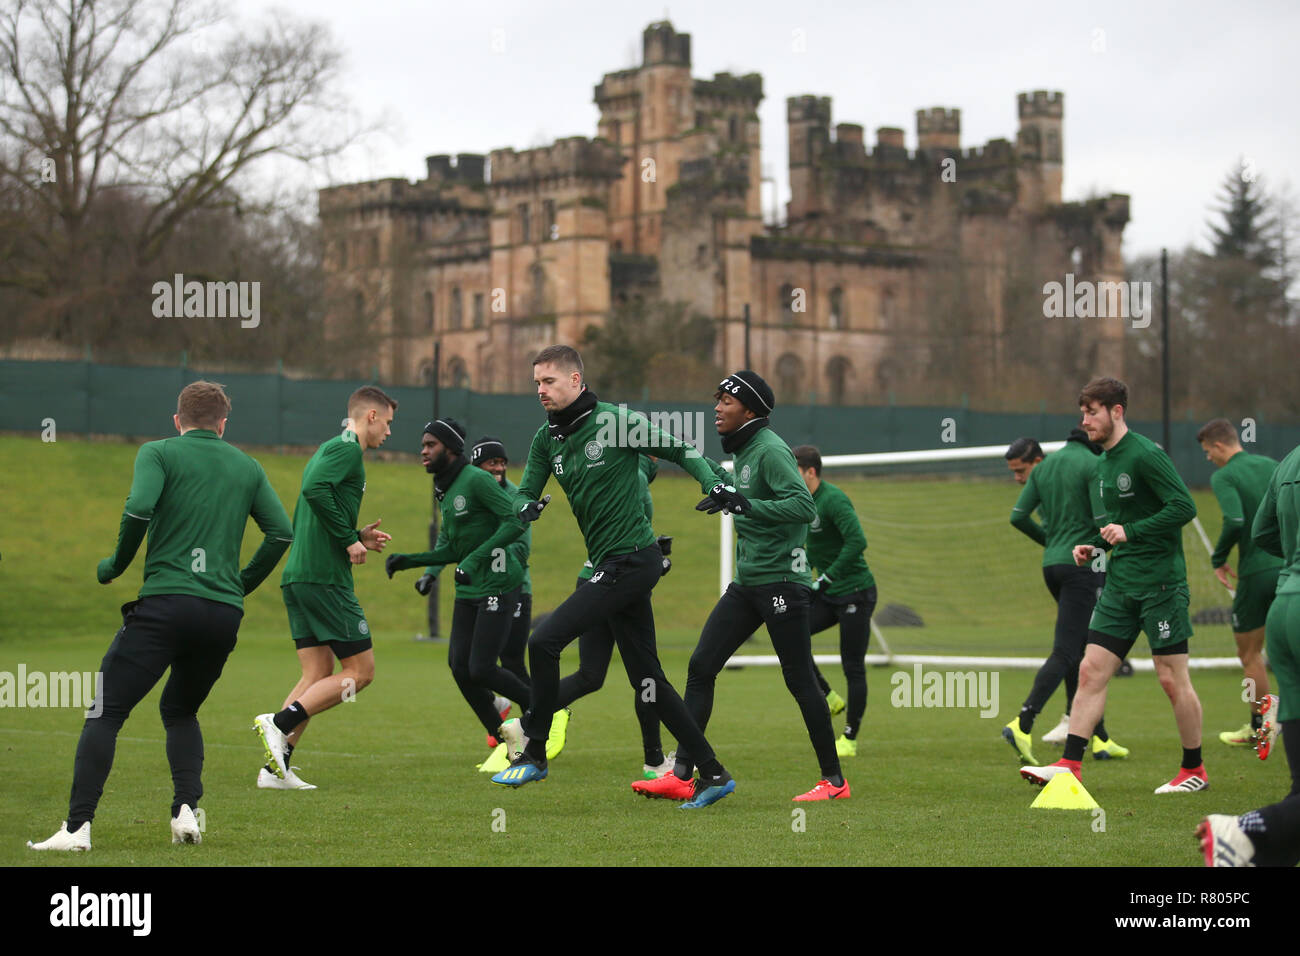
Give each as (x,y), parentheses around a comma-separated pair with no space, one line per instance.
(854,617)
(595,650)
(479,631)
(193,636)
(737,615)
(512,656)
(618,596)
(1075,591)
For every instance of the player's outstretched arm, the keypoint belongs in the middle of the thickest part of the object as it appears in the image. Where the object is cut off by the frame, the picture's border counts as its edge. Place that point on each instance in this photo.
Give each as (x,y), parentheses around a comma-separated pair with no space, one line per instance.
(1022,515)
(664,445)
(509,529)
(537,472)
(146,488)
(273,520)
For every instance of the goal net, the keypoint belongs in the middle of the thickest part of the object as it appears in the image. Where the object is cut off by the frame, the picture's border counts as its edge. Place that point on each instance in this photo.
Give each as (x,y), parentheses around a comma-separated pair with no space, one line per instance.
(956,584)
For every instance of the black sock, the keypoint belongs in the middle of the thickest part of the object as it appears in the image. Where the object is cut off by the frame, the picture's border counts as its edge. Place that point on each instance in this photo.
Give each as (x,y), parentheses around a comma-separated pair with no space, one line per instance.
(1026,720)
(1074,747)
(74,825)
(1191,758)
(836,781)
(535,750)
(850,732)
(712,771)
(289,718)
(654,758)
(1100,732)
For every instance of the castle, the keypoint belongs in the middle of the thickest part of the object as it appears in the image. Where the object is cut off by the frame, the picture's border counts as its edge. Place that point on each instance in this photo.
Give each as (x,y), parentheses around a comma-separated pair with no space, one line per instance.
(887,256)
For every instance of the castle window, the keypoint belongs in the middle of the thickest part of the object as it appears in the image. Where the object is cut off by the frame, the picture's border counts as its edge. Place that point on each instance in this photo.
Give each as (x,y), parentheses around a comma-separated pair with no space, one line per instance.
(537,277)
(478,310)
(787,304)
(455,307)
(733,129)
(837,308)
(343,253)
(428,312)
(525,230)
(838,370)
(457,373)
(789,375)
(550,229)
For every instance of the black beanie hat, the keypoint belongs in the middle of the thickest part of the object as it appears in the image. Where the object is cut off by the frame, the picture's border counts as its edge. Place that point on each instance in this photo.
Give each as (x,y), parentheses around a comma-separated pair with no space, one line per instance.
(487,448)
(750,390)
(450,432)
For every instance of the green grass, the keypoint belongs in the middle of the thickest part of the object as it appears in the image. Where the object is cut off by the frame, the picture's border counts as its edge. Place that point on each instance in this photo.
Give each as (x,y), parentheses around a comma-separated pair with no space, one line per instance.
(395,768)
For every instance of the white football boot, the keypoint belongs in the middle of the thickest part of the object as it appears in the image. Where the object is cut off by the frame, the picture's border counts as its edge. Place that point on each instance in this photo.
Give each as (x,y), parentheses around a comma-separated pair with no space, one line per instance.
(185,826)
(63,840)
(269,781)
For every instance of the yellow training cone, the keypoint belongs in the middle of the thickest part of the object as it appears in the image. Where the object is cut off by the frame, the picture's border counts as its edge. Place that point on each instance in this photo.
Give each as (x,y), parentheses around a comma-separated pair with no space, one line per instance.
(1064,792)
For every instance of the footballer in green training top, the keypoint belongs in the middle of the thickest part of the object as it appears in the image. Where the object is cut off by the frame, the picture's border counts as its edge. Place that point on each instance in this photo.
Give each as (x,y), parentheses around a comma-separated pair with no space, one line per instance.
(1239,484)
(592,449)
(772,509)
(844,592)
(1145,505)
(478,526)
(1059,488)
(325,620)
(194,495)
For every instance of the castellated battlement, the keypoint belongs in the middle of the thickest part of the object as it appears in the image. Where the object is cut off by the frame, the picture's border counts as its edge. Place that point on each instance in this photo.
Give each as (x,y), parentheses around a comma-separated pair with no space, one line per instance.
(574,156)
(469,168)
(938,128)
(1041,103)
(728,87)
(377,191)
(995,150)
(808,108)
(660,43)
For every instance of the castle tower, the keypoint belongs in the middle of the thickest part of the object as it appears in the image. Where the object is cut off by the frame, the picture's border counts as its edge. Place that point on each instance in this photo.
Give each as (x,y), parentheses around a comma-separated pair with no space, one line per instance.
(642,112)
(938,128)
(1038,144)
(808,119)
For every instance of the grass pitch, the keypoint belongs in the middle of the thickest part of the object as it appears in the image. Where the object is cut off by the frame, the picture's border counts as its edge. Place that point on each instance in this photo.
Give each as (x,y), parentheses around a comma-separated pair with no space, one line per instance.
(931,786)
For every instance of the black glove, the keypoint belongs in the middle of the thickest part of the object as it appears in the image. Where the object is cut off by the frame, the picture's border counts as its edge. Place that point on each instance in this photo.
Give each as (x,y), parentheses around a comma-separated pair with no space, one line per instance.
(533,510)
(425,584)
(665,543)
(724,498)
(393,563)
(462,577)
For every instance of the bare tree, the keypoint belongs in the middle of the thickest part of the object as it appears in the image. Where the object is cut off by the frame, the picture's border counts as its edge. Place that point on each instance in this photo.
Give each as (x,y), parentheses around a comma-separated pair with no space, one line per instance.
(161,100)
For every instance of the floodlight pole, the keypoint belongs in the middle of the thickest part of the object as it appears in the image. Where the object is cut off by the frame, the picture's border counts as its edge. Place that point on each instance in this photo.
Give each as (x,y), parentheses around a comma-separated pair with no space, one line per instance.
(748,364)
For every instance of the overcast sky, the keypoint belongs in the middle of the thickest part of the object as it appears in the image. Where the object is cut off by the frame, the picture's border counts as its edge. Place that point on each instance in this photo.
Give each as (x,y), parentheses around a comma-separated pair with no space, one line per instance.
(1162,99)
